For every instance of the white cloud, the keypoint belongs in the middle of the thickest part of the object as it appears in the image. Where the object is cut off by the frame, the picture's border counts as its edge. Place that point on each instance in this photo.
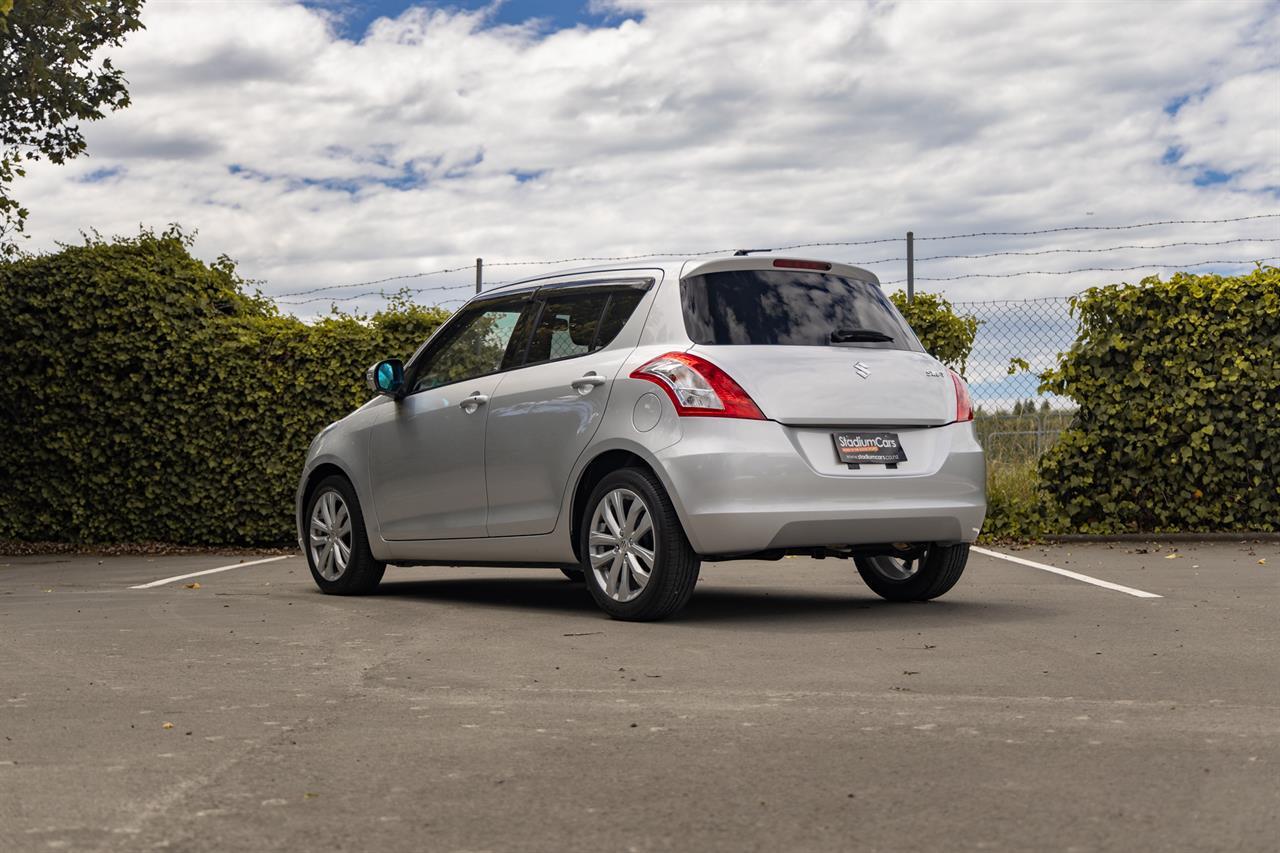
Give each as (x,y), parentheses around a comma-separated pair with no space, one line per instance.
(315,160)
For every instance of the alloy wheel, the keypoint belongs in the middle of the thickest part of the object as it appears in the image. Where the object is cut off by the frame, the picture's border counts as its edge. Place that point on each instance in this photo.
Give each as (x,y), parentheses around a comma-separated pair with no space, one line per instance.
(330,536)
(897,568)
(620,548)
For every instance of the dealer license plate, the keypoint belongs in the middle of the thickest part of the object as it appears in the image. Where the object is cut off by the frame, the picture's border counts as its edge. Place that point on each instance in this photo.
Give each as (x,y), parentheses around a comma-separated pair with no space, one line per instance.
(868,448)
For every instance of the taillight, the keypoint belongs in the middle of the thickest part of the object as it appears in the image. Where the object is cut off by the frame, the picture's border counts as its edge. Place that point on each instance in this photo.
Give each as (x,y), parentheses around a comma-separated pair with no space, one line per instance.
(698,388)
(964,404)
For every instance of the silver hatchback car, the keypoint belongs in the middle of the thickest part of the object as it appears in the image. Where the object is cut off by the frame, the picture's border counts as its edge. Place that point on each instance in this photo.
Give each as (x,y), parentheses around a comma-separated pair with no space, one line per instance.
(624,424)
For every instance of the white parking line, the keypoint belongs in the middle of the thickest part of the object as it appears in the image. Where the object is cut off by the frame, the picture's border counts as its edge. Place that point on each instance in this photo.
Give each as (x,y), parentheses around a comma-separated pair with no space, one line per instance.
(1127,590)
(164,581)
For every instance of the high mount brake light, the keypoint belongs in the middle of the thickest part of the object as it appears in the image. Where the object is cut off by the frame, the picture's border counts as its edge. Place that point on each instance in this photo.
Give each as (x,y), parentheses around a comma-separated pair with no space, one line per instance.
(964,404)
(698,388)
(788,263)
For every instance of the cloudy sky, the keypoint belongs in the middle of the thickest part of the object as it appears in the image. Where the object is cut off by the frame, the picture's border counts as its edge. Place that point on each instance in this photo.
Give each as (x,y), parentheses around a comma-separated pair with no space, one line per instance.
(335,141)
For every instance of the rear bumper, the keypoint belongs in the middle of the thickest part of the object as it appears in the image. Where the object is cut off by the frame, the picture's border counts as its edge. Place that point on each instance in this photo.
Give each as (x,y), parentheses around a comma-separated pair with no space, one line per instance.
(742,486)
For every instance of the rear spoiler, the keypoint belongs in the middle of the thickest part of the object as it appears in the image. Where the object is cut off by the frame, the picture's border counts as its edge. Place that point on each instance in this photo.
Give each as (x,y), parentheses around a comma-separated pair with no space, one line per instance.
(768,262)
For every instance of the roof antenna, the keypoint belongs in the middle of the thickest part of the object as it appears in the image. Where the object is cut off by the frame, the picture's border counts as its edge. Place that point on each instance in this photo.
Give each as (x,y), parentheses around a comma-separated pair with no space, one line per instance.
(742,253)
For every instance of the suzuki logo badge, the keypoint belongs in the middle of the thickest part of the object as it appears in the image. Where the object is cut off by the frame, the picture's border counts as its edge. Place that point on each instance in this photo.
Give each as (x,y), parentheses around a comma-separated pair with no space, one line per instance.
(862,370)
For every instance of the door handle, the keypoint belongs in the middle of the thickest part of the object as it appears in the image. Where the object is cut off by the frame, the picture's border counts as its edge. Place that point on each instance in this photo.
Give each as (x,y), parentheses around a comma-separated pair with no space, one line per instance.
(475,401)
(583,384)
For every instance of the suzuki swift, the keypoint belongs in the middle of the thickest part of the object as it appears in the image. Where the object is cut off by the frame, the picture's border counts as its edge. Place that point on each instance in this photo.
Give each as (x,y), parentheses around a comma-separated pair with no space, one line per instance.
(625,424)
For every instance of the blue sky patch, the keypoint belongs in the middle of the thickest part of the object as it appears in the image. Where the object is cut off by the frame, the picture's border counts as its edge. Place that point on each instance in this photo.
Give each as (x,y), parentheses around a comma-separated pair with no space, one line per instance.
(523,177)
(1172,107)
(1176,104)
(409,178)
(1209,177)
(97,176)
(1204,176)
(357,15)
(237,169)
(350,186)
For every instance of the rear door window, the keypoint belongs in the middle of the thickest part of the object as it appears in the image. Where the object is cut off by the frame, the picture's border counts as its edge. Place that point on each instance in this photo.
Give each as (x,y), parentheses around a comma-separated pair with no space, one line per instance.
(622,304)
(791,308)
(567,326)
(576,323)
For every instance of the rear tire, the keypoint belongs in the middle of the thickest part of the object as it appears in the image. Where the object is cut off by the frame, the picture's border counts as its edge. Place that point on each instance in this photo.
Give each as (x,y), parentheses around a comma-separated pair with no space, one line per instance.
(335,542)
(636,559)
(894,579)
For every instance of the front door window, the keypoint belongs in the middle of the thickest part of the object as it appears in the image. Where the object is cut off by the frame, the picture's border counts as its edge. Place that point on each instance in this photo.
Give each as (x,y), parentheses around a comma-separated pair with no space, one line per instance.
(484,340)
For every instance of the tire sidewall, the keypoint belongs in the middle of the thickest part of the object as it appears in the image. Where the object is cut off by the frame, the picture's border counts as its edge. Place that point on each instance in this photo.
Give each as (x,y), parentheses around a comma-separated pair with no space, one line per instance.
(355,576)
(925,584)
(892,590)
(633,480)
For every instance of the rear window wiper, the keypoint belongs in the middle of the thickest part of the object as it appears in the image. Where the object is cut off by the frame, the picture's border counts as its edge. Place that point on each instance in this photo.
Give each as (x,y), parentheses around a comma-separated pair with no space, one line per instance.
(848,336)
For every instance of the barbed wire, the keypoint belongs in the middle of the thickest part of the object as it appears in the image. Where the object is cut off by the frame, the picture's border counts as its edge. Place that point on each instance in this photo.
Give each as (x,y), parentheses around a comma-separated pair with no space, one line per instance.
(602,258)
(1075,251)
(882,240)
(282,298)
(376,281)
(491,286)
(1066,228)
(1082,269)
(496,284)
(370,293)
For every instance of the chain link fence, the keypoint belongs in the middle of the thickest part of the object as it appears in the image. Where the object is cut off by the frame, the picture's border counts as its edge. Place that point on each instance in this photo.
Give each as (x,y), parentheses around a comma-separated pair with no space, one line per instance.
(1015,421)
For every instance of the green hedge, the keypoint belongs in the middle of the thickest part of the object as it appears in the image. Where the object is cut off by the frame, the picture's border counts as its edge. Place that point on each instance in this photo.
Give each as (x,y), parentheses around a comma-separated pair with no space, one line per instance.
(947,336)
(145,397)
(1178,389)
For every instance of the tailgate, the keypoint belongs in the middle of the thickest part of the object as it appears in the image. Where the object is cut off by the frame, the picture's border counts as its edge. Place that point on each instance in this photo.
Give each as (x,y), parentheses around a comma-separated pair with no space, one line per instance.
(840,386)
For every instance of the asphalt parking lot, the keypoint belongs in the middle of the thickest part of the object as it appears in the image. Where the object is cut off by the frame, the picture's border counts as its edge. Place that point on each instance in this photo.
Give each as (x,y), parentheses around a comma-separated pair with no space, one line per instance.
(786,709)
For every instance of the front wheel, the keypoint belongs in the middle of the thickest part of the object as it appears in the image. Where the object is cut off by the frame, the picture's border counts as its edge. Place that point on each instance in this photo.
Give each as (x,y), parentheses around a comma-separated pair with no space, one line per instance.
(638,564)
(337,546)
(917,579)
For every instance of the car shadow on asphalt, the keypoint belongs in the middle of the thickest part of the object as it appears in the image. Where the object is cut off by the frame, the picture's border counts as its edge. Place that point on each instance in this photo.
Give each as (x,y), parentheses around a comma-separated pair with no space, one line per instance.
(711,604)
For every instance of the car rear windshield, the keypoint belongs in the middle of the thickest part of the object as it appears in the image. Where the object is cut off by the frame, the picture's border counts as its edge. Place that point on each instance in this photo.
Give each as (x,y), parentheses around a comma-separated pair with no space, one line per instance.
(791,308)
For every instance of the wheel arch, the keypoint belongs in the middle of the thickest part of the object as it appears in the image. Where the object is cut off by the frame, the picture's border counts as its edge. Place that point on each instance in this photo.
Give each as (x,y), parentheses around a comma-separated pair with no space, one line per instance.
(318,473)
(593,472)
(312,478)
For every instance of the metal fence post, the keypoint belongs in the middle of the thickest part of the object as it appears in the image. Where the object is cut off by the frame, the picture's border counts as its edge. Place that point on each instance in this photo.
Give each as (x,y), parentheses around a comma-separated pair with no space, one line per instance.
(479,273)
(911,266)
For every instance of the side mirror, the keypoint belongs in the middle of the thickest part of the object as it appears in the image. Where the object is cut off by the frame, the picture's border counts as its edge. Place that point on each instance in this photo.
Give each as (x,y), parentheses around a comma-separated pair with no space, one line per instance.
(386,377)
